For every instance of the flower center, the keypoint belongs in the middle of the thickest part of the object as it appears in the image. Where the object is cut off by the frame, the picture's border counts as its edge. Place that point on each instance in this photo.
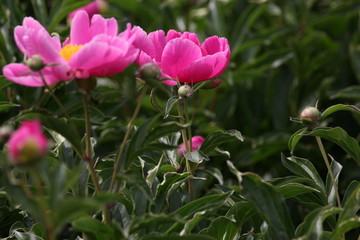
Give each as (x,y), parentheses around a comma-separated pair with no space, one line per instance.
(68,50)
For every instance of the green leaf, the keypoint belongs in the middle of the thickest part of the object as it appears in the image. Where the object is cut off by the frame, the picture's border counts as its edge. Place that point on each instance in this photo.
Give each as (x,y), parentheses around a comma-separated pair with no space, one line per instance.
(90,225)
(330,188)
(304,168)
(352,205)
(269,204)
(345,226)
(171,181)
(339,136)
(312,226)
(355,59)
(169,105)
(339,107)
(290,190)
(352,92)
(162,130)
(4,82)
(153,222)
(221,228)
(26,236)
(176,237)
(4,106)
(195,156)
(215,139)
(208,203)
(241,211)
(57,185)
(295,138)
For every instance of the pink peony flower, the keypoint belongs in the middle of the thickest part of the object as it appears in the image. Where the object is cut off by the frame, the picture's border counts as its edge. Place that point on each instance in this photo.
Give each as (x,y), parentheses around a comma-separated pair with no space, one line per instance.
(197,141)
(180,55)
(27,144)
(92,8)
(93,49)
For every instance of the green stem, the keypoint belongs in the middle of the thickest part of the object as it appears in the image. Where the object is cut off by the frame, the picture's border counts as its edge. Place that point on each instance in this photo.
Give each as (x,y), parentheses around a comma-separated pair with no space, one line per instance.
(44,208)
(54,96)
(127,134)
(323,153)
(88,154)
(187,144)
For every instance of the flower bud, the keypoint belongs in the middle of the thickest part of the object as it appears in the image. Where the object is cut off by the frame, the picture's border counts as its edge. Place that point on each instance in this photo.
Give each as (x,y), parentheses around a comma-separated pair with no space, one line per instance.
(27,144)
(185,91)
(212,84)
(5,132)
(197,141)
(149,71)
(35,63)
(310,115)
(86,85)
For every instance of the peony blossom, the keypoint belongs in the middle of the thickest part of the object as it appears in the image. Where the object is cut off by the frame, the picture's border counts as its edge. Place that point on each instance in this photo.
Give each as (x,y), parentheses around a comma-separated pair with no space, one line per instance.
(92,8)
(181,56)
(197,141)
(93,49)
(27,144)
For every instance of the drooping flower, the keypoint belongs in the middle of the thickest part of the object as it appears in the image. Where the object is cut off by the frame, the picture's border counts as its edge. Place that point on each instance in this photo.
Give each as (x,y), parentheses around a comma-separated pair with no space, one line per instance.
(197,141)
(181,56)
(93,49)
(27,144)
(92,8)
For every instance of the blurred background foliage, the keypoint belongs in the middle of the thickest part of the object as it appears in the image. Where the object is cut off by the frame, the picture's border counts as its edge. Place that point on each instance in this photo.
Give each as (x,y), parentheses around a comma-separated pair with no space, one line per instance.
(285,55)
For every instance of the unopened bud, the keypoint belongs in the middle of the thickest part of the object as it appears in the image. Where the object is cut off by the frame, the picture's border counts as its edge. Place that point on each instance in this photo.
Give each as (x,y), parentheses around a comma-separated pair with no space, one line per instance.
(35,63)
(27,144)
(212,84)
(149,71)
(185,91)
(86,85)
(5,132)
(310,115)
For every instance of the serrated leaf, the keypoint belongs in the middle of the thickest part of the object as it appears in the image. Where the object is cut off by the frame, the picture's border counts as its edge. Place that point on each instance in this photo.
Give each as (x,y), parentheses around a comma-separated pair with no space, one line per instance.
(340,137)
(339,107)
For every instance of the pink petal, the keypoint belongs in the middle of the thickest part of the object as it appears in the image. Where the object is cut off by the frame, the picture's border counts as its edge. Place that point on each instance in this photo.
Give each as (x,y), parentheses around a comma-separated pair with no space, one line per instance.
(170,82)
(197,141)
(215,44)
(177,55)
(80,28)
(139,39)
(20,74)
(159,41)
(172,34)
(91,8)
(100,25)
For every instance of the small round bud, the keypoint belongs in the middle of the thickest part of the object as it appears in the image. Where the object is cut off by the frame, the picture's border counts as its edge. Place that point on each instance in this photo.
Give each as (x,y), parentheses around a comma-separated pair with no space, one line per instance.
(149,71)
(310,115)
(35,63)
(27,144)
(5,132)
(86,85)
(212,84)
(185,91)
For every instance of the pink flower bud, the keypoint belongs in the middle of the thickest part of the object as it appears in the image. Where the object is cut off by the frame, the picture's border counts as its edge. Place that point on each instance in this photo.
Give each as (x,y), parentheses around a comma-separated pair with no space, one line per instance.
(310,115)
(27,144)
(197,141)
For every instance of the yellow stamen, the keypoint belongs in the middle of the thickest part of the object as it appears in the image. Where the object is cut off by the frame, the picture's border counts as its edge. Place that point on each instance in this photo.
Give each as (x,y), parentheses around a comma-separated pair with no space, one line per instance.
(68,50)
